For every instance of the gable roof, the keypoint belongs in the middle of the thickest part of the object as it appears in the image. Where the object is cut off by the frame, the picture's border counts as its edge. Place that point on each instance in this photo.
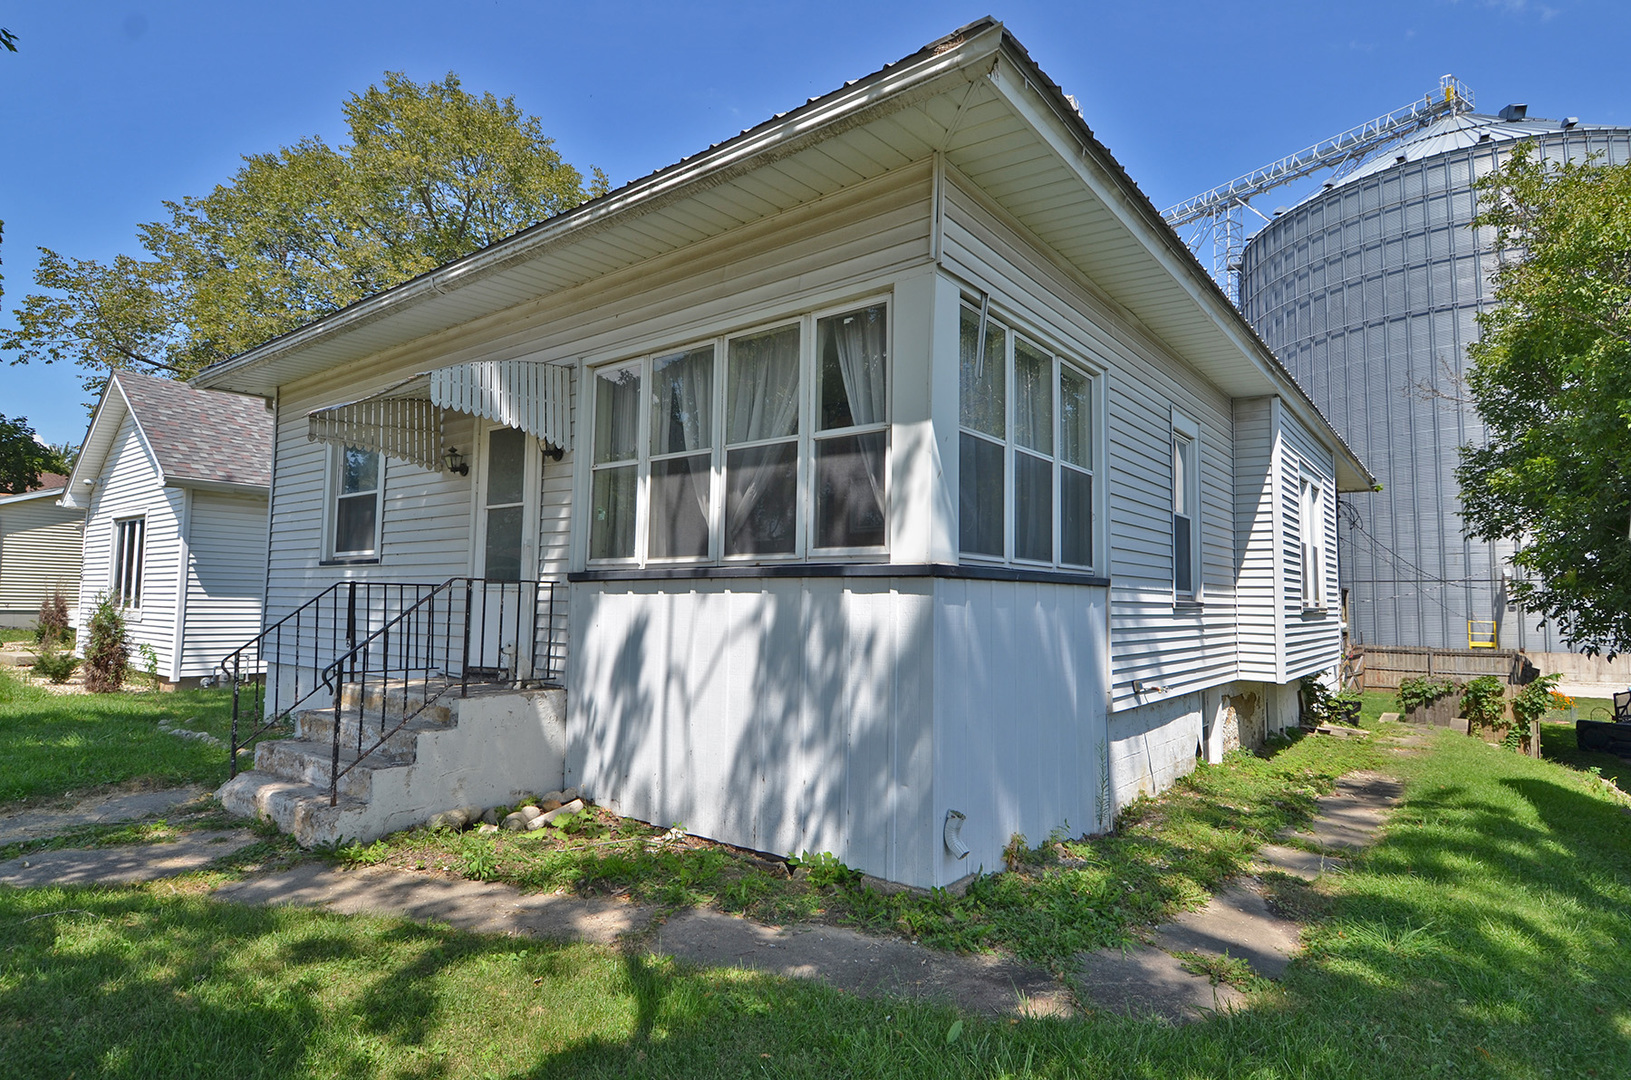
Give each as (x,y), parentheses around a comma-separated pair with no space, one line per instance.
(974,97)
(196,438)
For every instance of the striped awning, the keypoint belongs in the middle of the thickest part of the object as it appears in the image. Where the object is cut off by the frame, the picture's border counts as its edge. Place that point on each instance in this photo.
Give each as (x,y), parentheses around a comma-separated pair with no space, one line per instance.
(406,419)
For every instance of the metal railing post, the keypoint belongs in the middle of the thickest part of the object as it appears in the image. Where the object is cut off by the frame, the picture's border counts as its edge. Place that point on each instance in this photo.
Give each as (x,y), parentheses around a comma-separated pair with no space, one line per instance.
(464,670)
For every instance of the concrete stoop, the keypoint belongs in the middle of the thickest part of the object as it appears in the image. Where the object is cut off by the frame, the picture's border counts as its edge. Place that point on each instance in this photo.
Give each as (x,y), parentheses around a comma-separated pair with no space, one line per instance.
(484,750)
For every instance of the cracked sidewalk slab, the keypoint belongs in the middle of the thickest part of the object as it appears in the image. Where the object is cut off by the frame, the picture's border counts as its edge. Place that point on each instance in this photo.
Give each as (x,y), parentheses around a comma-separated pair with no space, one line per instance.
(112,809)
(125,864)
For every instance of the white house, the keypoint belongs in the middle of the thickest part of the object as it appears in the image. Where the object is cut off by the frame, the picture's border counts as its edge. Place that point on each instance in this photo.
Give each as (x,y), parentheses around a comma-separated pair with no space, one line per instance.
(39,550)
(903,481)
(173,484)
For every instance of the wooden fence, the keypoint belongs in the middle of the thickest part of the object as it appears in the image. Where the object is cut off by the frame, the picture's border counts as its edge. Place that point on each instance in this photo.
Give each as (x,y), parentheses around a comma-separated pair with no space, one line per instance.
(1382,667)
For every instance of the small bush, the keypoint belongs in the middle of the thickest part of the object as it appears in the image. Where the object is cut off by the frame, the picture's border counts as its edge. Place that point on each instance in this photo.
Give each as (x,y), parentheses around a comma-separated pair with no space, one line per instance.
(1421,691)
(52,626)
(55,664)
(1484,702)
(107,652)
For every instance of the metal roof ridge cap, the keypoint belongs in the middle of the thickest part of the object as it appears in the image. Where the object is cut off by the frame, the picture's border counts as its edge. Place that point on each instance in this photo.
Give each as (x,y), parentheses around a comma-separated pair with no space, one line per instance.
(862,93)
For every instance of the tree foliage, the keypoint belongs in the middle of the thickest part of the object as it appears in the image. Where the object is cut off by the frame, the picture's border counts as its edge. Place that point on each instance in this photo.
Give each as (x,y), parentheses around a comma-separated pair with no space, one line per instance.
(1551,380)
(431,173)
(23,458)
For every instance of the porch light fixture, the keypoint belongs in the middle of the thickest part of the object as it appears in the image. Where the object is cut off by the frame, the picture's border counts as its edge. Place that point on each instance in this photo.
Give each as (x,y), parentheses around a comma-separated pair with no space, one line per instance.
(454,462)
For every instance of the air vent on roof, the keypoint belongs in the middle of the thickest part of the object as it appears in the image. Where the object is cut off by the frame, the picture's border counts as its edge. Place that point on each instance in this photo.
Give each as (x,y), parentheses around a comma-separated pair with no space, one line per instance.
(1514,112)
(1570,121)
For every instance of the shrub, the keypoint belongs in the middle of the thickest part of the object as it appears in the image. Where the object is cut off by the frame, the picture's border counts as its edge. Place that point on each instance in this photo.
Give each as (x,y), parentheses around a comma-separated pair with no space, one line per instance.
(52,627)
(53,663)
(1423,691)
(1484,702)
(107,650)
(1323,707)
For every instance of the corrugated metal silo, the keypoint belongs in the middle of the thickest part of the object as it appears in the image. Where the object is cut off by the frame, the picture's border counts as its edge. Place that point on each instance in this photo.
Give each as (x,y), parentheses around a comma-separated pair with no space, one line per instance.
(1367,291)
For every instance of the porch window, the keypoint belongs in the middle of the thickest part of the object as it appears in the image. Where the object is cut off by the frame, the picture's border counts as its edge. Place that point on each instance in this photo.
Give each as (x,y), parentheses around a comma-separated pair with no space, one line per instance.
(1311,527)
(356,503)
(1185,508)
(1025,462)
(737,457)
(129,551)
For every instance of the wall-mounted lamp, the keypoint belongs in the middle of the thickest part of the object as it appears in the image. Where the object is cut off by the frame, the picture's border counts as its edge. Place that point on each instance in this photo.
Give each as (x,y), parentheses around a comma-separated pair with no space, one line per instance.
(553,452)
(454,462)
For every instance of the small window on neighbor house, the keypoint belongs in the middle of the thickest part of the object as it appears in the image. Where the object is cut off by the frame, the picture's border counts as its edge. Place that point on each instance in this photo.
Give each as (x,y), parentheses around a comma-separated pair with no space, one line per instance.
(1310,526)
(356,503)
(1185,496)
(129,544)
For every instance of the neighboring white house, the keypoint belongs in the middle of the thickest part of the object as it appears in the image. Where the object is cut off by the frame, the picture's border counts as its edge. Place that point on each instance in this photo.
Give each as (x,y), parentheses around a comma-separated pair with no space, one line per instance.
(903,470)
(39,550)
(173,483)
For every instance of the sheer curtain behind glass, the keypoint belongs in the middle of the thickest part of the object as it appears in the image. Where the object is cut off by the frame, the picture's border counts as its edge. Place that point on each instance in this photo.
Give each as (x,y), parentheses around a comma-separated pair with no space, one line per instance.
(852,352)
(982,408)
(761,482)
(682,388)
(617,432)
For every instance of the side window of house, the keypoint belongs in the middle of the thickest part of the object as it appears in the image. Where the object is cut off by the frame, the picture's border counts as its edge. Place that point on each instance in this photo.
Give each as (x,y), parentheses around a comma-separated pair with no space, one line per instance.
(129,550)
(705,451)
(1025,464)
(357,486)
(1185,509)
(1311,527)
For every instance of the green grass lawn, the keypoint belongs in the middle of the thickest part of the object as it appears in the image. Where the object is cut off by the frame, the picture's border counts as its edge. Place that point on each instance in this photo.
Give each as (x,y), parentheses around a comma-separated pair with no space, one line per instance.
(52,744)
(1486,935)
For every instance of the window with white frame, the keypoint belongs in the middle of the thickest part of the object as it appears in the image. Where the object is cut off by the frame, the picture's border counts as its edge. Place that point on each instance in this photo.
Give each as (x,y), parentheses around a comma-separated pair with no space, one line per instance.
(1026,458)
(1186,497)
(1311,526)
(769,443)
(129,551)
(355,517)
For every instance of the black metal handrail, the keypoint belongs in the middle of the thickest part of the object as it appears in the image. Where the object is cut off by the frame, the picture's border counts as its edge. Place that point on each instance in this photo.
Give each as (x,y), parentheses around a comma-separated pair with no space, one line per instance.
(299,646)
(463,631)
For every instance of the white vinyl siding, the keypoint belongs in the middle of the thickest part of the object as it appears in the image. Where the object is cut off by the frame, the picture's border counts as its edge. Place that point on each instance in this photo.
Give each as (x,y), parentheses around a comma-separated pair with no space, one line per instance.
(130,486)
(841,249)
(1150,641)
(226,573)
(1261,629)
(1313,637)
(41,545)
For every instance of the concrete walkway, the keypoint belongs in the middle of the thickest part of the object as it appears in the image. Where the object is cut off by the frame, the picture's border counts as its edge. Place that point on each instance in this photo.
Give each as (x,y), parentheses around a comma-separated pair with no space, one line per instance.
(1144,980)
(1148,980)
(110,809)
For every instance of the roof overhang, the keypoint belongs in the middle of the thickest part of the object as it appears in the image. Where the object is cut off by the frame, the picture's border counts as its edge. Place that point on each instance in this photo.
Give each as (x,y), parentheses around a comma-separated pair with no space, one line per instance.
(99,438)
(29,496)
(975,97)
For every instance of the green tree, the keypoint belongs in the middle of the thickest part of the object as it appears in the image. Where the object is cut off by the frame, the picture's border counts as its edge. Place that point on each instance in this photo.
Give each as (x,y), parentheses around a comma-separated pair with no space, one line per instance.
(1551,379)
(23,458)
(431,173)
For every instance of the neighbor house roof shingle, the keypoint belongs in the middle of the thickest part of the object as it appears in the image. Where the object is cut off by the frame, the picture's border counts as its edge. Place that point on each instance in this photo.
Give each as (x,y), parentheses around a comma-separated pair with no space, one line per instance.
(202,435)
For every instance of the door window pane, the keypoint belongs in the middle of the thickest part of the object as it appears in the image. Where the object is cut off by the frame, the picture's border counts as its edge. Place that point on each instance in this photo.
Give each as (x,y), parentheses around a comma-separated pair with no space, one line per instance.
(679,507)
(617,415)
(980,495)
(1075,517)
(764,386)
(1033,508)
(1183,555)
(1075,417)
(682,396)
(506,466)
(761,496)
(982,379)
(1033,397)
(359,471)
(354,522)
(850,490)
(611,529)
(850,352)
(503,551)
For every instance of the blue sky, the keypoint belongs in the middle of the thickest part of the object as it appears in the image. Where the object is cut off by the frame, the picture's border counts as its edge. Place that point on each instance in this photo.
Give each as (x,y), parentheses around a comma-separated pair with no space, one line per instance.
(110,108)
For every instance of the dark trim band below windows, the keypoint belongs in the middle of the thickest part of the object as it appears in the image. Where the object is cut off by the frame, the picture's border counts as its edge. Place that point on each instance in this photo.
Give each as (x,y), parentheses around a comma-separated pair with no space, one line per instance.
(845,570)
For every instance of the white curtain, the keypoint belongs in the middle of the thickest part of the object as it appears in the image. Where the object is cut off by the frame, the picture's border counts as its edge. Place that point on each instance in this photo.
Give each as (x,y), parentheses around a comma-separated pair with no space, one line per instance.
(683,394)
(764,386)
(617,414)
(1033,397)
(860,339)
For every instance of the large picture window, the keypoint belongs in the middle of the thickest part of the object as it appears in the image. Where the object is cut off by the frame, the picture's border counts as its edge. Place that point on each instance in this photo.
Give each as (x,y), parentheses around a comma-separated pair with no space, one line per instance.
(129,552)
(1026,458)
(770,443)
(355,517)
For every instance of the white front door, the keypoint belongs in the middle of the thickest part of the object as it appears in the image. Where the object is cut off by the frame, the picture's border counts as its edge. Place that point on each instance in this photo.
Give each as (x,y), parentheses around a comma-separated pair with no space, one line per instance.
(508,480)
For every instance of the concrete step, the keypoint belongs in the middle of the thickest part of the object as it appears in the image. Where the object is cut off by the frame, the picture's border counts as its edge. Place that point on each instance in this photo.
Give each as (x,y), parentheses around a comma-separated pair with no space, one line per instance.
(317,725)
(297,808)
(313,763)
(397,699)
